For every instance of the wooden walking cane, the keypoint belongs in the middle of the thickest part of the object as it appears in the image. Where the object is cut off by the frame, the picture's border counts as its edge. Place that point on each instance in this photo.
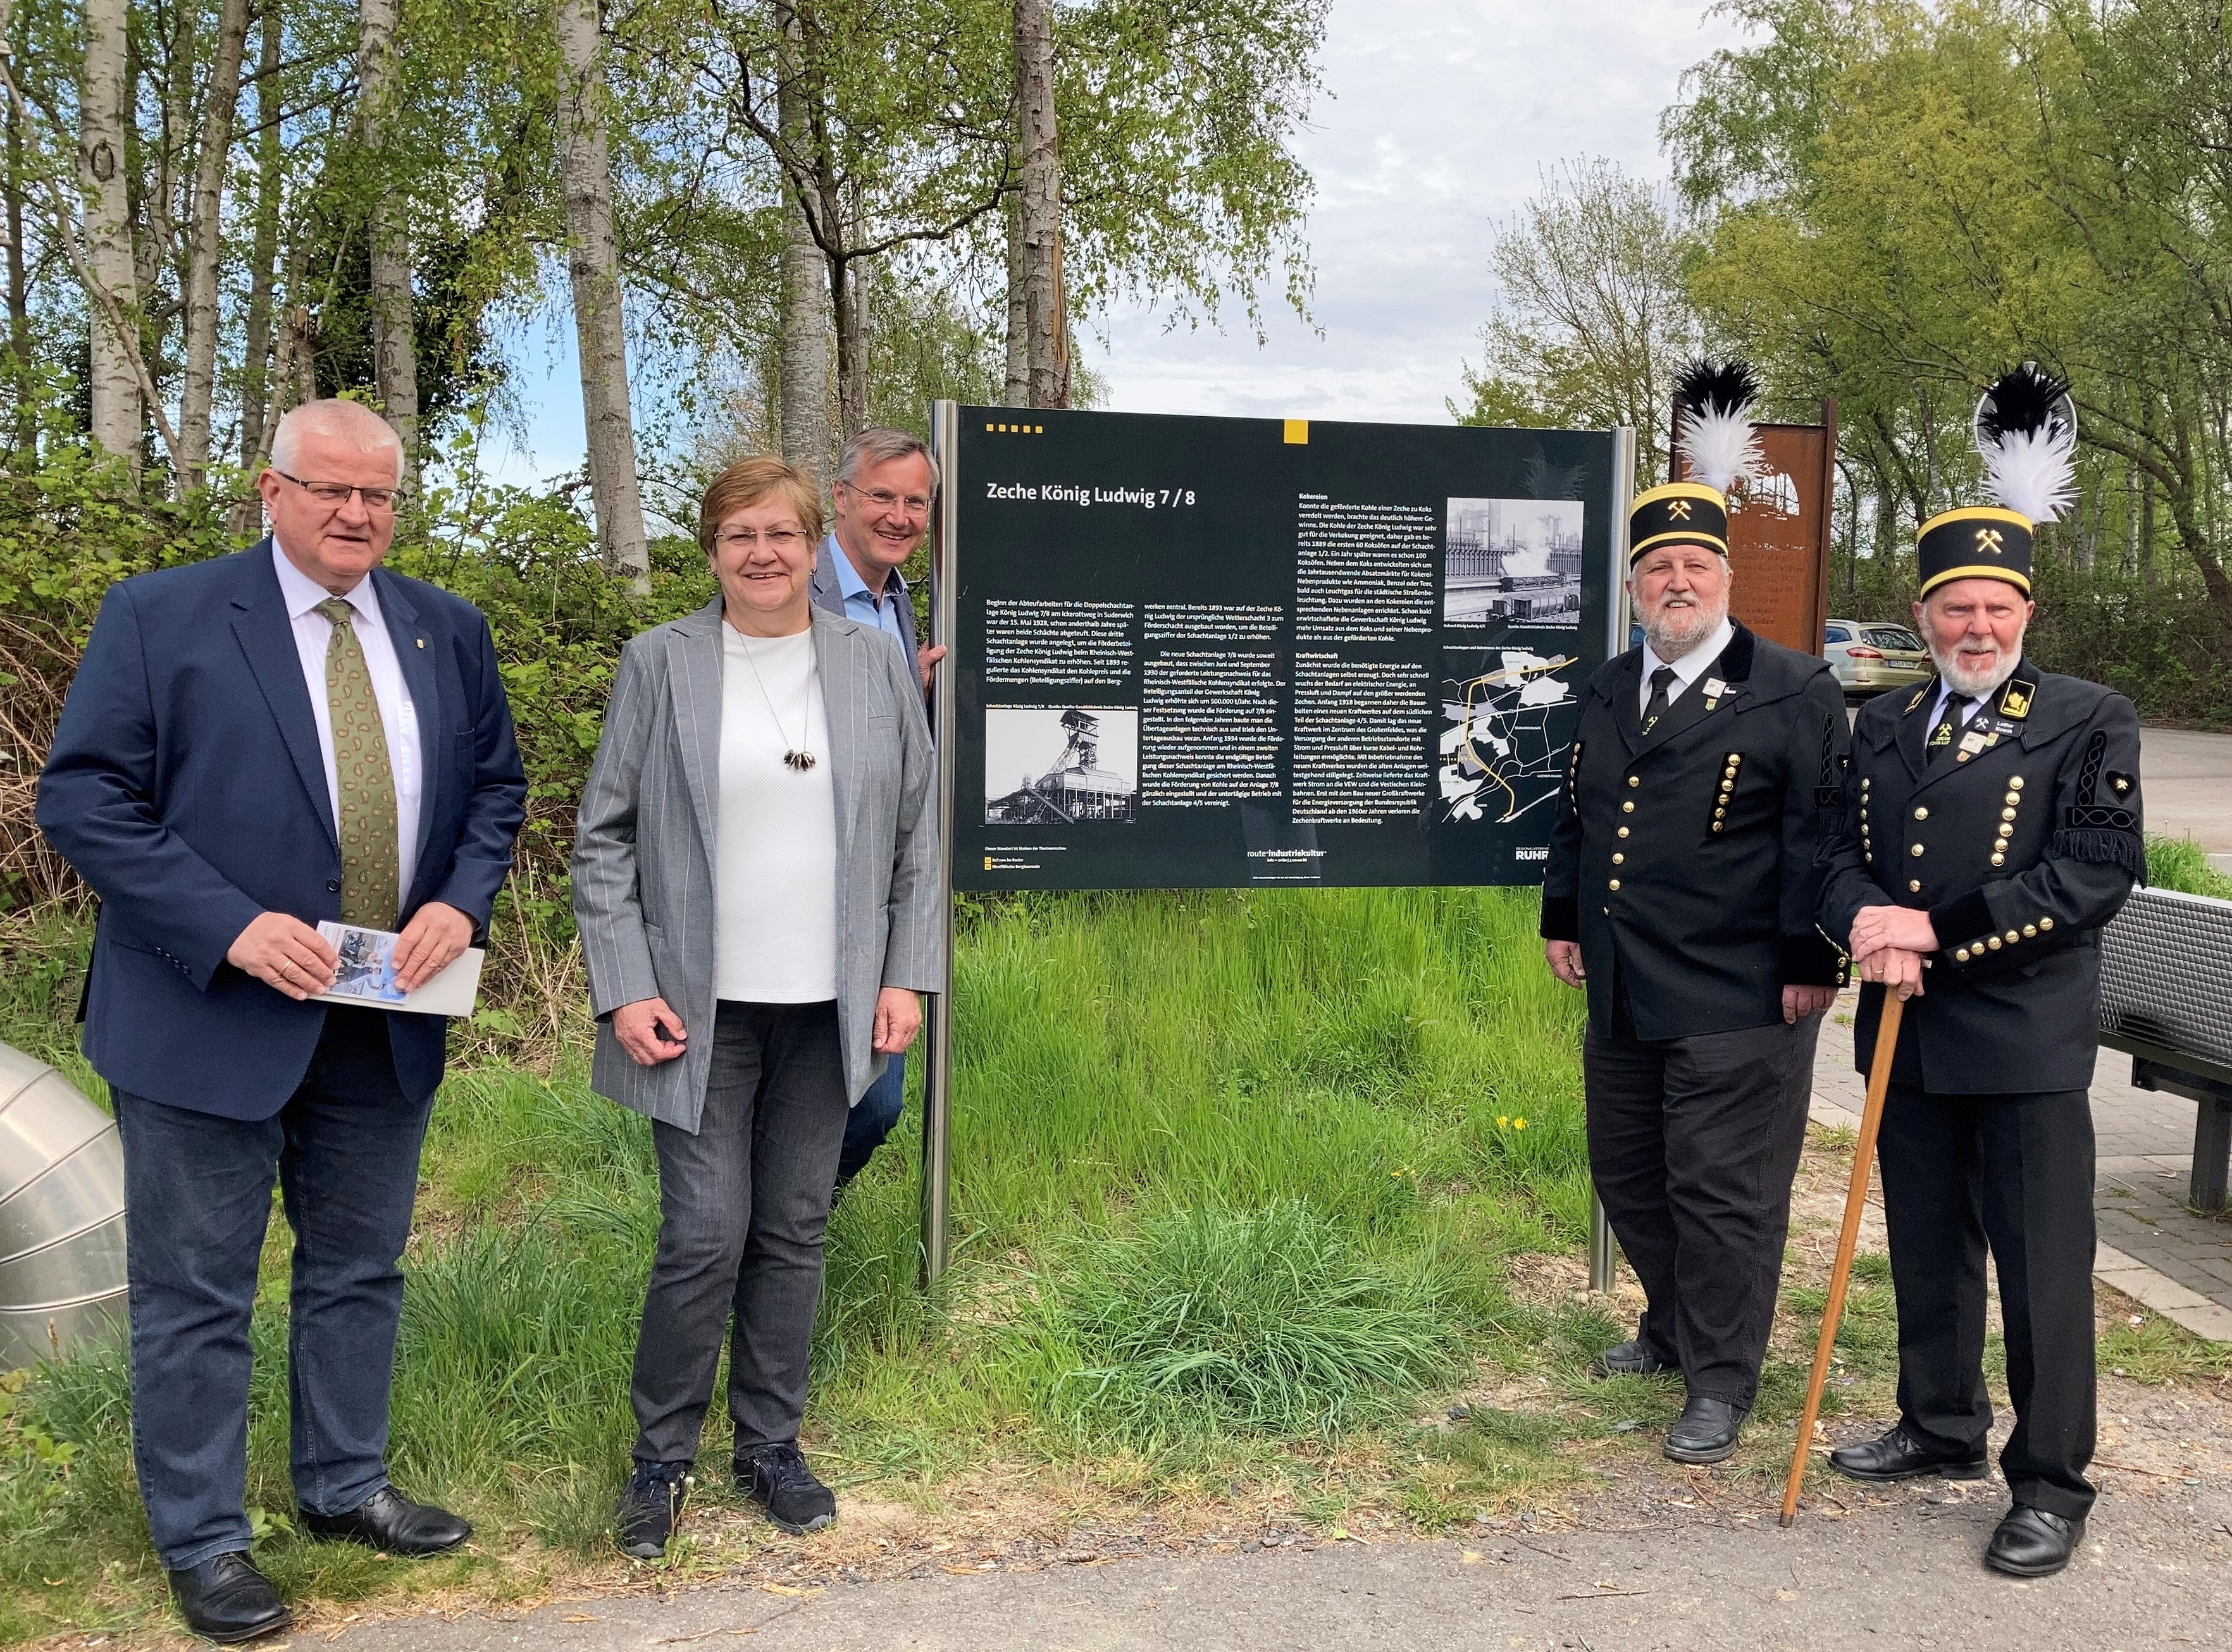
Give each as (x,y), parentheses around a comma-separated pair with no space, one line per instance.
(1856,1199)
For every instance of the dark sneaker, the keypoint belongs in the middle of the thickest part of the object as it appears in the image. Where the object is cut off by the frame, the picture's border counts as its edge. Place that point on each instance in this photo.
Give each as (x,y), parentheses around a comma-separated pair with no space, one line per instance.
(778,1479)
(649,1507)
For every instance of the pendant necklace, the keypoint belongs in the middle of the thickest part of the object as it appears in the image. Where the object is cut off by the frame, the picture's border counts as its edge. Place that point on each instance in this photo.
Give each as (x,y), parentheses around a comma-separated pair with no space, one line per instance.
(796,756)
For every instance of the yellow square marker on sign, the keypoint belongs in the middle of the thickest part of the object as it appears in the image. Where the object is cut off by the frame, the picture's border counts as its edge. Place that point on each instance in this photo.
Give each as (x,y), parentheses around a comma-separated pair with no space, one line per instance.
(1298,432)
(988,863)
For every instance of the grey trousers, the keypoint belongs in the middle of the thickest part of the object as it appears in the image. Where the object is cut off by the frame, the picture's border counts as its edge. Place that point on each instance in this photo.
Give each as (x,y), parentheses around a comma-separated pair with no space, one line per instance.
(1693,1143)
(742,1205)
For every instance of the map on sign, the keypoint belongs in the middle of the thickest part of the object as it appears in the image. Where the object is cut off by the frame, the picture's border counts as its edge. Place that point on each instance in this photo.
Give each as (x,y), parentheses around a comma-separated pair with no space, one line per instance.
(1499,756)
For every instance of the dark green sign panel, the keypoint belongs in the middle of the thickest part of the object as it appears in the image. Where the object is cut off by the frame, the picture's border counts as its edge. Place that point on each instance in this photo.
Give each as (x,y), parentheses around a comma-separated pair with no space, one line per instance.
(1221,652)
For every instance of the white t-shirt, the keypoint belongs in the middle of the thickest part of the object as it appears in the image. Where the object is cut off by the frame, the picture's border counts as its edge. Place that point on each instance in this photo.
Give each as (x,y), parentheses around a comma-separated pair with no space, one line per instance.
(775,856)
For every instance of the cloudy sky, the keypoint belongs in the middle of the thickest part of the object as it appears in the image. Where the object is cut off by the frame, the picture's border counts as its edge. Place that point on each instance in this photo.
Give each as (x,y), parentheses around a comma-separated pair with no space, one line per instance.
(1439,116)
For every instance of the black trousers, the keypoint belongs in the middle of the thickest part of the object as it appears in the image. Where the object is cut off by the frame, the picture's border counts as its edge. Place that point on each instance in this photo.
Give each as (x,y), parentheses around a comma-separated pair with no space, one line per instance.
(1693,1143)
(743,1204)
(2014,1173)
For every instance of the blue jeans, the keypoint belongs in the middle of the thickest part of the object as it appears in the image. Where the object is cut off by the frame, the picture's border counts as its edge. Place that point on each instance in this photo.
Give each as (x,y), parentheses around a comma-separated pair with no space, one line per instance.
(198,1190)
(871,1119)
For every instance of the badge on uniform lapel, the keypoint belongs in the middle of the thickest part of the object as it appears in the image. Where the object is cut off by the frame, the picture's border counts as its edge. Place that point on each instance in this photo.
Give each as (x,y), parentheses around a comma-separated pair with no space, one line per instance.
(1715,691)
(2015,701)
(1971,743)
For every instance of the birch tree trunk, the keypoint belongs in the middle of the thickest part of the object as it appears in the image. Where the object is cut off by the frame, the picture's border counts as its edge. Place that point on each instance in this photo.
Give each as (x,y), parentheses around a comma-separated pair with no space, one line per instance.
(863,274)
(115,389)
(803,406)
(1018,392)
(600,325)
(263,258)
(200,392)
(394,354)
(1045,327)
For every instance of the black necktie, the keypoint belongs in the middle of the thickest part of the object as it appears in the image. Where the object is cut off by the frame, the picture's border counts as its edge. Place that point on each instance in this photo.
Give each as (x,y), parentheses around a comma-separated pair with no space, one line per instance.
(1661,680)
(1948,724)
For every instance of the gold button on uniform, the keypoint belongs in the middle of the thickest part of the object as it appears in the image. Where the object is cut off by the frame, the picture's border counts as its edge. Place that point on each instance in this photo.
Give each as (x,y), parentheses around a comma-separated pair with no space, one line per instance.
(2030,931)
(1614,884)
(1619,860)
(1921,811)
(1993,943)
(1622,831)
(2046,923)
(1962,956)
(2012,935)
(1916,850)
(2006,814)
(1628,808)
(1635,780)
(1914,886)
(2015,781)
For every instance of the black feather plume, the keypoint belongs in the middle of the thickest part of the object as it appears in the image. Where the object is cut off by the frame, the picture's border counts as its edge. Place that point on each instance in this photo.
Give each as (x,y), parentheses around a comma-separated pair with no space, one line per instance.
(2022,401)
(1726,387)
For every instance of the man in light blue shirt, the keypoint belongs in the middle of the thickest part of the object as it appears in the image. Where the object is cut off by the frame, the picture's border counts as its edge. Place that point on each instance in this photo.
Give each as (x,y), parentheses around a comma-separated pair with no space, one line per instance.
(886,479)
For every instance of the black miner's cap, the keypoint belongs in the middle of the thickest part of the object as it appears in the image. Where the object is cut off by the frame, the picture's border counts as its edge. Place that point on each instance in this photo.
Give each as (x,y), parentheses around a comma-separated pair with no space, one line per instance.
(1975,543)
(1687,513)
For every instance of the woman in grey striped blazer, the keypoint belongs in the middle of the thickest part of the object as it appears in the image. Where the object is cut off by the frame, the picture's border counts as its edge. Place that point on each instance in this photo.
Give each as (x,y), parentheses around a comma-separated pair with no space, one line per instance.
(755,880)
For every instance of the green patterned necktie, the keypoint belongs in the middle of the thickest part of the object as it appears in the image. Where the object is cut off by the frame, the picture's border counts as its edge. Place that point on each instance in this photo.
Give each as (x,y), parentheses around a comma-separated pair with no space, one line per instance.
(370,862)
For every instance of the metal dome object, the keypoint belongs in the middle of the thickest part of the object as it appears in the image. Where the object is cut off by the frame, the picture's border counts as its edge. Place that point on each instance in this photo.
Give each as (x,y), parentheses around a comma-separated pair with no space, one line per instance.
(61,1216)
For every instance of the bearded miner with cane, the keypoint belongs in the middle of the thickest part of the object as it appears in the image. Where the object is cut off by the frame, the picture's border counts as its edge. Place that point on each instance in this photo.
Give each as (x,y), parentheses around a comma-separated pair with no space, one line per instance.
(1991,827)
(1681,892)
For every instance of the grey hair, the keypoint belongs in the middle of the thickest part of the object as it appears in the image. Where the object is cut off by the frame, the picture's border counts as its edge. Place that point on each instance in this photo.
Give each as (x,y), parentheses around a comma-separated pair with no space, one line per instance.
(334,416)
(881,445)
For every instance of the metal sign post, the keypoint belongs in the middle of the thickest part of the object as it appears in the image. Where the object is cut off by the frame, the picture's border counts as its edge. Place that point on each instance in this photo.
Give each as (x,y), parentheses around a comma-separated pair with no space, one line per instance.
(938,1056)
(1602,1254)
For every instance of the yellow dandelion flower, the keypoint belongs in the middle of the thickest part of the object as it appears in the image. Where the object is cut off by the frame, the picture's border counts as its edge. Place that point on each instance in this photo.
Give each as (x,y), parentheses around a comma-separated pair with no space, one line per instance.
(1519,1123)
(1503,1124)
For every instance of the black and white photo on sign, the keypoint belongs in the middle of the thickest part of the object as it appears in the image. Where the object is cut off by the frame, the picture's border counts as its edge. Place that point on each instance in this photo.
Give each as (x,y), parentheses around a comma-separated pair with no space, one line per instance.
(1512,561)
(1054,765)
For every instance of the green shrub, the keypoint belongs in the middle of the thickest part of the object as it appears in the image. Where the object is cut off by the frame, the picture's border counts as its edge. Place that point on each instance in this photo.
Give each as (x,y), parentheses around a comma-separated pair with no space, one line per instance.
(2183,865)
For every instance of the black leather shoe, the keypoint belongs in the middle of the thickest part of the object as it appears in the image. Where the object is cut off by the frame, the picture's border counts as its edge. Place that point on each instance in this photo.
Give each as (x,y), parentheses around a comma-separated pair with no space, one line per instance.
(226,1600)
(2031,1542)
(1629,1358)
(1706,1431)
(1898,1455)
(778,1479)
(391,1522)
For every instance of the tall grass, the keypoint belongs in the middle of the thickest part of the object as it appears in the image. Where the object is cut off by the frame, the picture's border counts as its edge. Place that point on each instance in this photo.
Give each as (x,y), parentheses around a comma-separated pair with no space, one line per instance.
(1229,1170)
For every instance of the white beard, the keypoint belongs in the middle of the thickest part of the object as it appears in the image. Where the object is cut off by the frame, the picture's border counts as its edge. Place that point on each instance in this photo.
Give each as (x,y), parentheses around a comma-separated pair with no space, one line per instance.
(1967,679)
(1672,632)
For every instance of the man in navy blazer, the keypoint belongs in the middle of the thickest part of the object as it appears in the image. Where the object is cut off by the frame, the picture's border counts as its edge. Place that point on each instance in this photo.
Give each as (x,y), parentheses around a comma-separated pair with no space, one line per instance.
(251,745)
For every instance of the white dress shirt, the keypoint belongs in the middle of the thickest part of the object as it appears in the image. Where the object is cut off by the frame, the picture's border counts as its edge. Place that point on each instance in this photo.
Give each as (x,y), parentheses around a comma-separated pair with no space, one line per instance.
(1687,669)
(397,716)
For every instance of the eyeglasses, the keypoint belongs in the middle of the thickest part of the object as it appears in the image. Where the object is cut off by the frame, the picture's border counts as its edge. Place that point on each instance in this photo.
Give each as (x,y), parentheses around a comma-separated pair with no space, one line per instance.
(336,494)
(779,540)
(884,499)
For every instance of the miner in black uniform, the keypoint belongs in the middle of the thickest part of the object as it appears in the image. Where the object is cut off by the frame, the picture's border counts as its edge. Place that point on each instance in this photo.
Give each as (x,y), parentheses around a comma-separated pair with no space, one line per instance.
(1681,892)
(1991,826)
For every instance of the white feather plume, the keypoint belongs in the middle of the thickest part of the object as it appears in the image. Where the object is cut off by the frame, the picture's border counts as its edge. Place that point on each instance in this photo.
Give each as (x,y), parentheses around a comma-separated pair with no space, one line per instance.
(2034,473)
(1719,446)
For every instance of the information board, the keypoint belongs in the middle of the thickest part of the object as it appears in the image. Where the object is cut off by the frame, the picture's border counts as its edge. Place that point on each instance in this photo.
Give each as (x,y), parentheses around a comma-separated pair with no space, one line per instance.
(1227,652)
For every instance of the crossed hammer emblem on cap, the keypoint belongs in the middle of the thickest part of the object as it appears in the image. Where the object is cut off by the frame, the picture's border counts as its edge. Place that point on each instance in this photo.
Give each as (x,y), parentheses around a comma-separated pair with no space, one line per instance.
(1678,509)
(1990,539)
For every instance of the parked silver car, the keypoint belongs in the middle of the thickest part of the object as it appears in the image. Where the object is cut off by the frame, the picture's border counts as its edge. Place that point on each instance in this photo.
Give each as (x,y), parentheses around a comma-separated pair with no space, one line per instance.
(1871,656)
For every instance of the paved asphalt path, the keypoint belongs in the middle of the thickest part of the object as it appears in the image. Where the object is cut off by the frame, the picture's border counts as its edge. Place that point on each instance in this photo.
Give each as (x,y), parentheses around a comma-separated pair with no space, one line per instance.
(2155,1572)
(2186,779)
